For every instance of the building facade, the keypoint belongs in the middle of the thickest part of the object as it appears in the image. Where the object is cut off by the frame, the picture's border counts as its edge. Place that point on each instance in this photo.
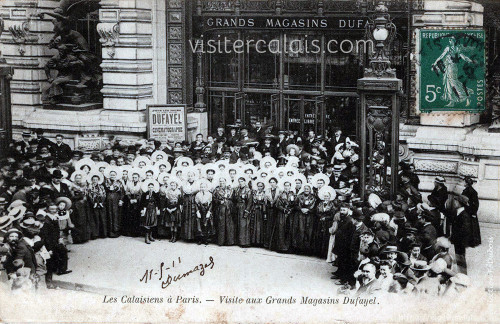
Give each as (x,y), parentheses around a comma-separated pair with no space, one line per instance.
(145,52)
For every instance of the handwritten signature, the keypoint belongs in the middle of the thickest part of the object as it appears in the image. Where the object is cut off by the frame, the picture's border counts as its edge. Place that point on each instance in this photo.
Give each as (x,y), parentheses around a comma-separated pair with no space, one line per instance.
(151,274)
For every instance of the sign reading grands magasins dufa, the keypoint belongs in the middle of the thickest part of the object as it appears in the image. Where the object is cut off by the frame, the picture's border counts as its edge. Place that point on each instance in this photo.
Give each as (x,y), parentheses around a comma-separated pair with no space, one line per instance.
(452,70)
(167,122)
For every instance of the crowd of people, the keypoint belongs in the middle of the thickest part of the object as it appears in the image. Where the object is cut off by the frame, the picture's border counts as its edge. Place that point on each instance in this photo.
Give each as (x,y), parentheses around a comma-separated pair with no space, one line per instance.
(246,187)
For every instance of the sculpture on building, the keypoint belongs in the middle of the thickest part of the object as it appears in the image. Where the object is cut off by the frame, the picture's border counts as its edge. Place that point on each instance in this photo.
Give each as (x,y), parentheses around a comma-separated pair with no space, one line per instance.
(74,73)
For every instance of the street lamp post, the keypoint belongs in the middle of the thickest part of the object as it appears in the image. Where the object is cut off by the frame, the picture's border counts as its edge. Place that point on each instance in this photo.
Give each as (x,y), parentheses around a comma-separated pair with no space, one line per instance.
(6,73)
(380,108)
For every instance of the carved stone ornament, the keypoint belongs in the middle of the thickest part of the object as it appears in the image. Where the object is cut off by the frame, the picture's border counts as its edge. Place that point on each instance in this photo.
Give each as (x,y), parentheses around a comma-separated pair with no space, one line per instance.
(109,33)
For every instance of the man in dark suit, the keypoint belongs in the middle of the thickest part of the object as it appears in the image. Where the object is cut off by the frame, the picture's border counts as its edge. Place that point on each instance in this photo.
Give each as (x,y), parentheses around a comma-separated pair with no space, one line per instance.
(42,141)
(266,146)
(336,139)
(10,187)
(280,146)
(440,192)
(61,151)
(58,188)
(309,141)
(369,283)
(23,255)
(259,132)
(25,142)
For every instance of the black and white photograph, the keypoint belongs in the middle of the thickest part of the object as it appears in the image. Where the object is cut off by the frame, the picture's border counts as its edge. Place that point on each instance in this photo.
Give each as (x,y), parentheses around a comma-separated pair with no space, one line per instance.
(249,161)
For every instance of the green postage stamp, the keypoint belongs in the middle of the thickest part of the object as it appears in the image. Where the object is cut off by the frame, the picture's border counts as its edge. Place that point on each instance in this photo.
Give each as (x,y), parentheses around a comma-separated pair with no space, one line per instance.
(452,70)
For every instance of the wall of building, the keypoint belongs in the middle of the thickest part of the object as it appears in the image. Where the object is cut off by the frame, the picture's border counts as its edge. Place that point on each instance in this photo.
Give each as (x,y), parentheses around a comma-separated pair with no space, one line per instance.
(453,144)
(145,61)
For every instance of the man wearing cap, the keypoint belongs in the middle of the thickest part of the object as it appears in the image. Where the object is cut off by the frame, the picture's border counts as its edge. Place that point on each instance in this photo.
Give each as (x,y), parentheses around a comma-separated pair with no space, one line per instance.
(23,254)
(61,151)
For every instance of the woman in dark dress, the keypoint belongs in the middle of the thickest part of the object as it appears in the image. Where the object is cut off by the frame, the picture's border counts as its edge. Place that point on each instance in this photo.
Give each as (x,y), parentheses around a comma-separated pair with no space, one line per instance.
(189,188)
(280,236)
(131,215)
(258,213)
(173,208)
(114,201)
(223,206)
(272,194)
(302,238)
(204,218)
(150,202)
(326,210)
(243,202)
(80,215)
(96,198)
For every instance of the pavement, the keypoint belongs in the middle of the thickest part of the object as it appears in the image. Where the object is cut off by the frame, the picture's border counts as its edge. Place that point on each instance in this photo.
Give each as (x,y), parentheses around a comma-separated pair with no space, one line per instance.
(119,280)
(119,264)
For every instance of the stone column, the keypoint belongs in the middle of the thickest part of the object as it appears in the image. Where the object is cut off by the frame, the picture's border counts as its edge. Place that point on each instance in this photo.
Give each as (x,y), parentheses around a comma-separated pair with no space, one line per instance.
(127,62)
(24,46)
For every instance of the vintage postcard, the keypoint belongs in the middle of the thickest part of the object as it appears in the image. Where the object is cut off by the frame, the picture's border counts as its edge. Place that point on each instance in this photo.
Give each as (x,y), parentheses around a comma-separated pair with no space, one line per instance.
(249,161)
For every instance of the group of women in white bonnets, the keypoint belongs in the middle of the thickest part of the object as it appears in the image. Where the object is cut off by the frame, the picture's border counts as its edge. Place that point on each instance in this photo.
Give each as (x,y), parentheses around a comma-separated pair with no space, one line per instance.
(270,206)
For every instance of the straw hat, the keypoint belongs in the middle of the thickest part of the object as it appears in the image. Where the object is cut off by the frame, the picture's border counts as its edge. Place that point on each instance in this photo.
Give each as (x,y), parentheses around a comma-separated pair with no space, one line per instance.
(293,146)
(176,180)
(301,177)
(78,173)
(320,176)
(139,172)
(85,161)
(140,159)
(327,190)
(146,184)
(224,175)
(257,181)
(222,162)
(17,212)
(167,165)
(292,160)
(175,170)
(150,169)
(249,167)
(112,168)
(280,170)
(162,176)
(271,176)
(183,159)
(66,200)
(209,166)
(95,174)
(159,153)
(282,181)
(267,159)
(374,200)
